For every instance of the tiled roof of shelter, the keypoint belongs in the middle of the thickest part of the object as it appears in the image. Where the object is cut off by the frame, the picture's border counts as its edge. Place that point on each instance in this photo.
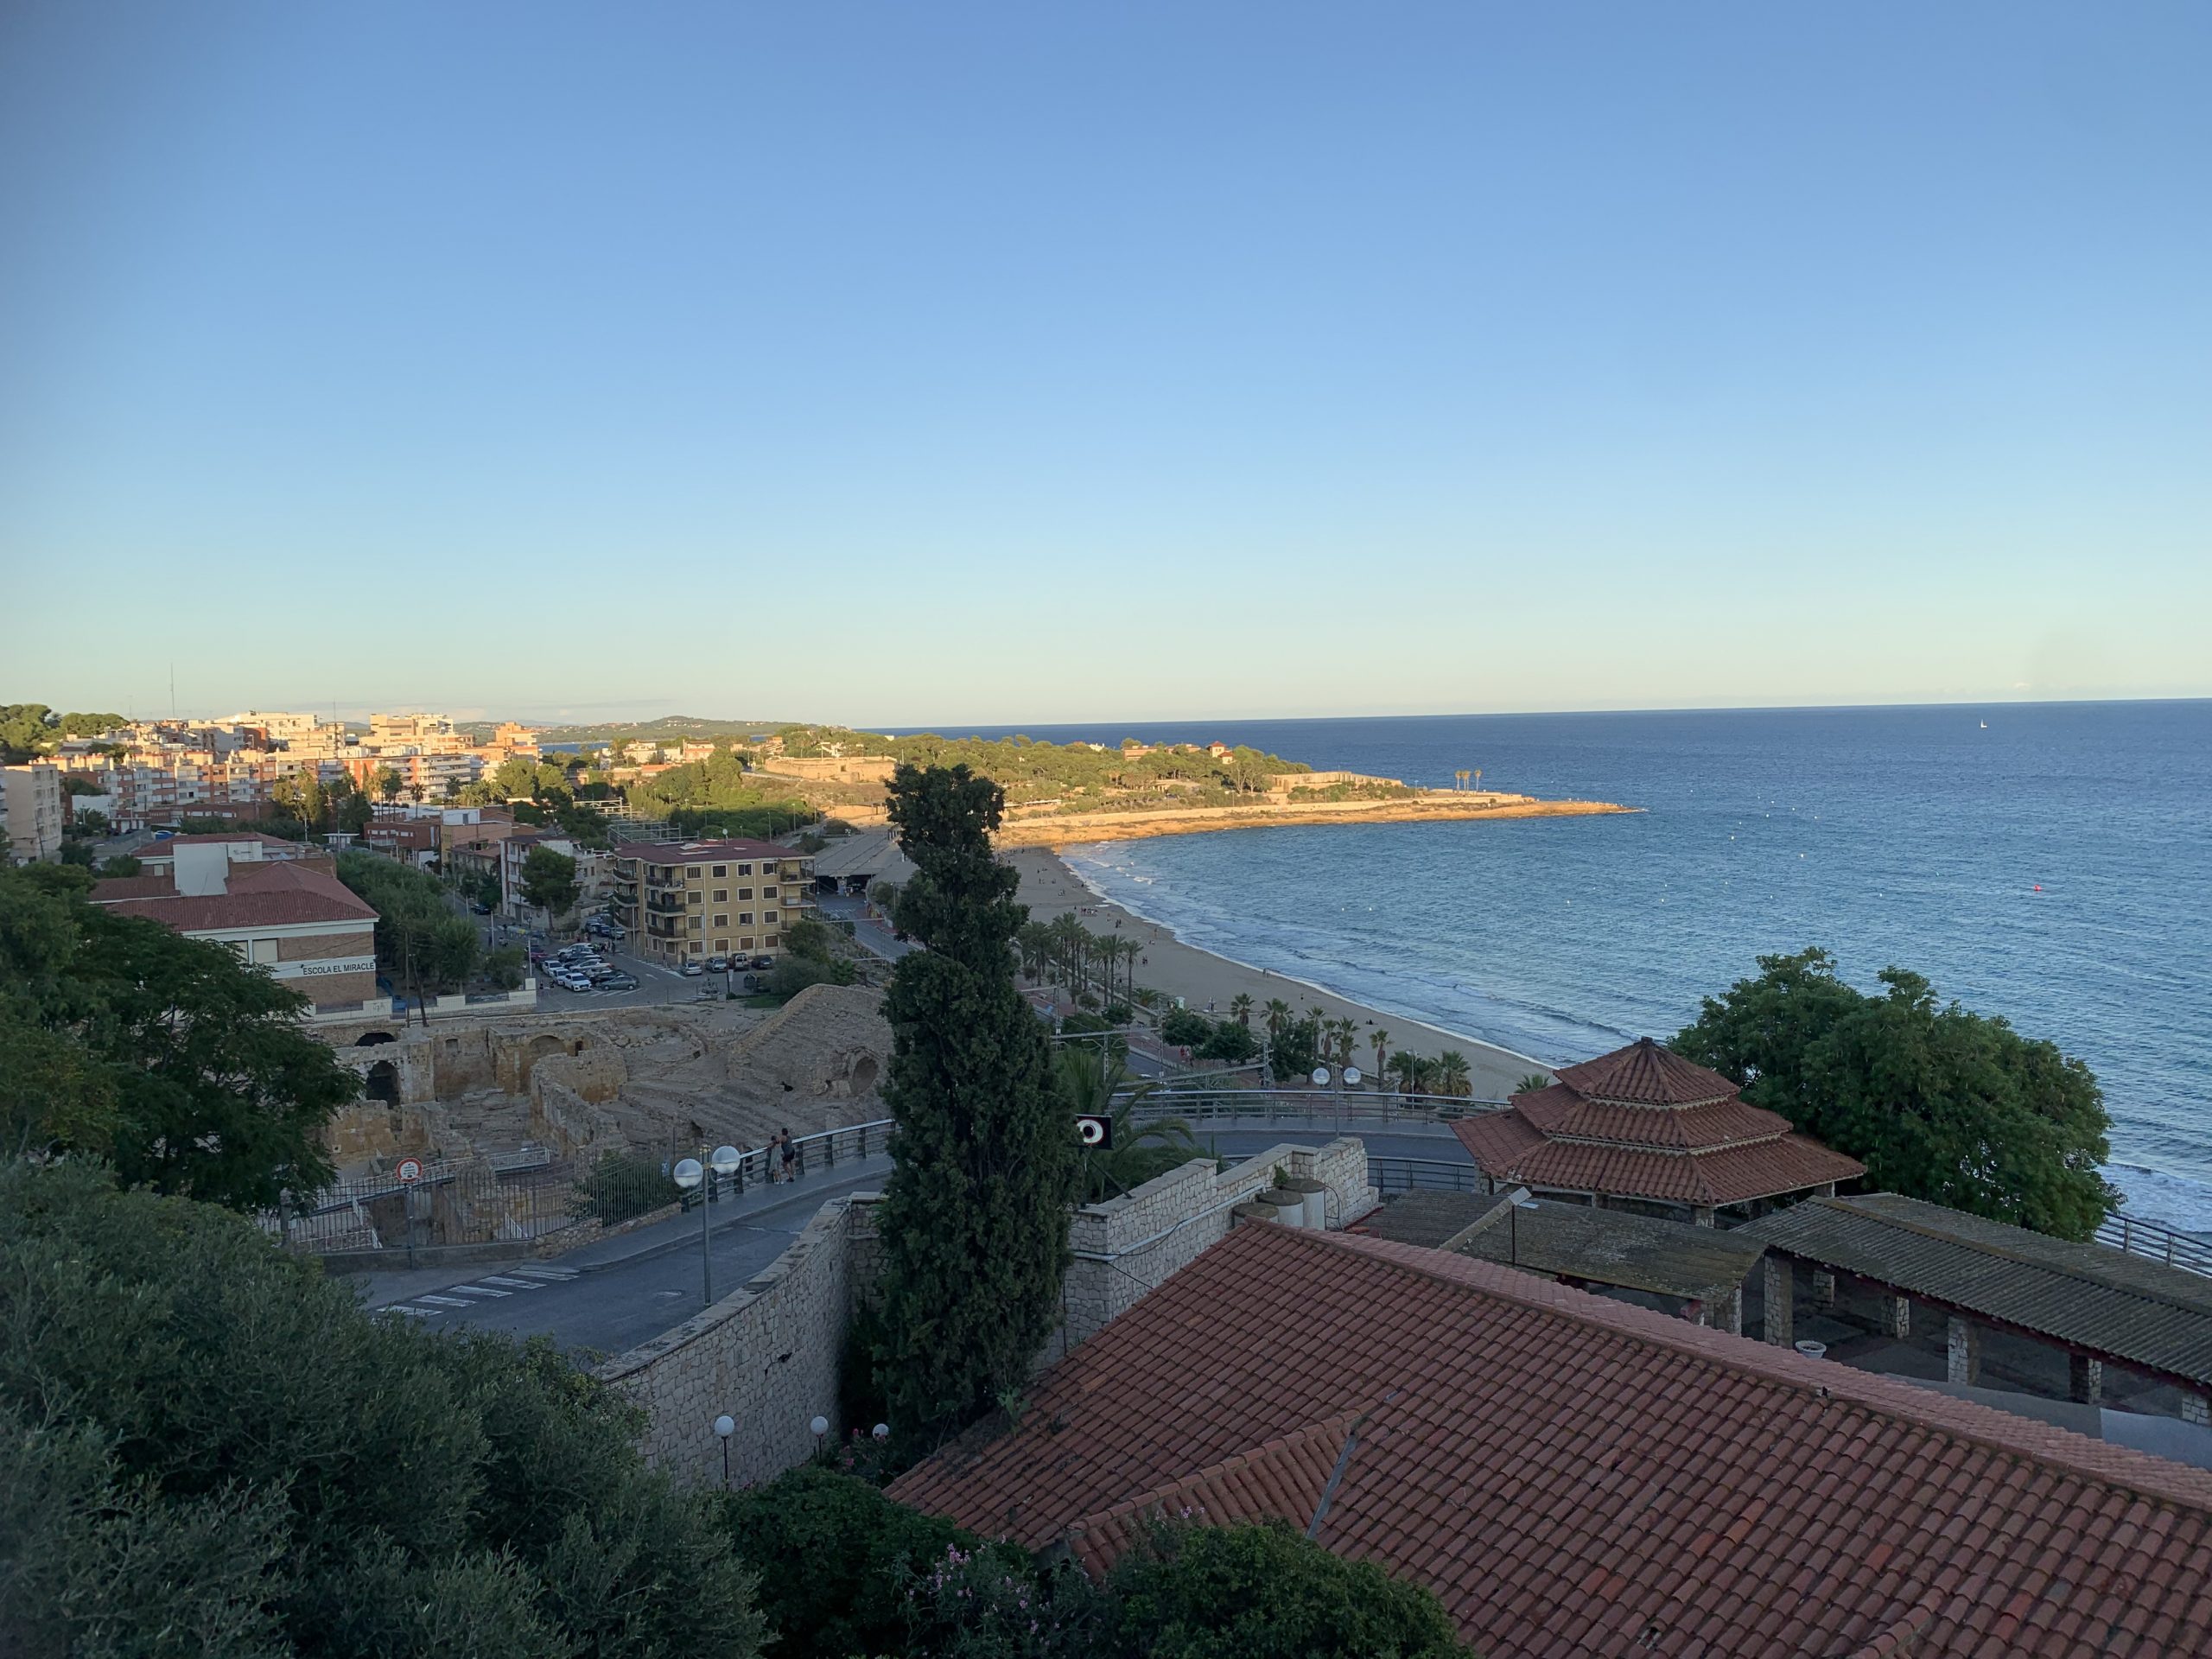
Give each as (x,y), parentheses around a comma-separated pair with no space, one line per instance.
(1645,1074)
(276,894)
(691,852)
(1643,1123)
(1599,1247)
(1575,1475)
(2117,1306)
(1509,1148)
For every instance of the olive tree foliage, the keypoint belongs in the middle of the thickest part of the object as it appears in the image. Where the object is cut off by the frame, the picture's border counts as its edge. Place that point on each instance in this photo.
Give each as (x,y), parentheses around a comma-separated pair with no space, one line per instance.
(974,1218)
(205,1446)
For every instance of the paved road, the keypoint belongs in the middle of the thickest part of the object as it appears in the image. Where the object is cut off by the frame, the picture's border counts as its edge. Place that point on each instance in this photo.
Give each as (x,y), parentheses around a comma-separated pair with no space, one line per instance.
(872,936)
(610,1297)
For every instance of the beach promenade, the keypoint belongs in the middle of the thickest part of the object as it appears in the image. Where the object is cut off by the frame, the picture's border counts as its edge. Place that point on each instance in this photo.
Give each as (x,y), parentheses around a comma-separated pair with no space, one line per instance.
(1205,981)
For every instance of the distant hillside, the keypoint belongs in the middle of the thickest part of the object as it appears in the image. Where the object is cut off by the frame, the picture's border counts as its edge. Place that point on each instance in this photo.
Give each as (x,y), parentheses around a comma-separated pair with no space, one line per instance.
(666,726)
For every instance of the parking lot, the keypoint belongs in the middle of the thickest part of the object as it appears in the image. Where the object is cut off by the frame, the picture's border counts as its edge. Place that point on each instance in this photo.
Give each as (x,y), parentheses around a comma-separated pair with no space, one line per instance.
(656,984)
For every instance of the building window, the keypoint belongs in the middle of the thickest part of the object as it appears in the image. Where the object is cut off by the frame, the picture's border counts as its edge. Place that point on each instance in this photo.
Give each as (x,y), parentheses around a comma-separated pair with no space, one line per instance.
(692,897)
(745,945)
(773,941)
(722,947)
(745,869)
(744,893)
(263,950)
(696,928)
(691,872)
(769,916)
(745,919)
(722,921)
(767,892)
(722,895)
(720,870)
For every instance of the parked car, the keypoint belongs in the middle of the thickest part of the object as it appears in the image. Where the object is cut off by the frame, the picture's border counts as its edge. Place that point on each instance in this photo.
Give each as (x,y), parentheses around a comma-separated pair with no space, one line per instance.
(597,971)
(479,907)
(761,964)
(618,983)
(718,964)
(692,970)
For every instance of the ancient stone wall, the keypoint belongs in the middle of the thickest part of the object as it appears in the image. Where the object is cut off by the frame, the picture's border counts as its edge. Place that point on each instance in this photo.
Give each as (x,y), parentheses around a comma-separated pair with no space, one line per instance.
(767,1355)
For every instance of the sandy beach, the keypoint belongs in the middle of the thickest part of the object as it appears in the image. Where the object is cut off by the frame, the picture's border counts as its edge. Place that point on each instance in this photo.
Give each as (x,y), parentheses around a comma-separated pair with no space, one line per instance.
(1204,981)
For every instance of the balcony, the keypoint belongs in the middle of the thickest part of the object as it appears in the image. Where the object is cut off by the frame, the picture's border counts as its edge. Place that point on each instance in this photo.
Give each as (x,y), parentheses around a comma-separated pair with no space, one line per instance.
(661,903)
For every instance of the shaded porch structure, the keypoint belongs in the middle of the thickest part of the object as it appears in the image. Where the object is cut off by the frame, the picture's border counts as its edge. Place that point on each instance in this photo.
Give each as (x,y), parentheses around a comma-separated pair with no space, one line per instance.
(2099,1307)
(1694,1273)
(1644,1130)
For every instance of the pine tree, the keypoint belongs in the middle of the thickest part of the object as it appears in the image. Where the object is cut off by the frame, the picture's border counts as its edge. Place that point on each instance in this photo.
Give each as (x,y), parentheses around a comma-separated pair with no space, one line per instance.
(975,1217)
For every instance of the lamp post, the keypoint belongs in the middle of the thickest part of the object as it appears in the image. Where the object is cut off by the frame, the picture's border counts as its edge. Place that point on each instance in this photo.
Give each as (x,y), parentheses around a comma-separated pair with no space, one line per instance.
(819,1429)
(725,1425)
(692,1173)
(1515,1201)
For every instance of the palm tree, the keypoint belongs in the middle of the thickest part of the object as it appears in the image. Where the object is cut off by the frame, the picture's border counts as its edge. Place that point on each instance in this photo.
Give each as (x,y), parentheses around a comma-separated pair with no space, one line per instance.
(1382,1042)
(1240,1008)
(1137,1152)
(1278,1013)
(1405,1065)
(1452,1072)
(1529,1085)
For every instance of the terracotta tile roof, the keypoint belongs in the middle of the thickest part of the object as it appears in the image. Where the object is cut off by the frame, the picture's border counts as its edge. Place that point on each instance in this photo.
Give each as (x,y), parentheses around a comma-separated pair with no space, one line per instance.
(1575,1475)
(1285,1478)
(158,850)
(277,894)
(1508,1148)
(1645,1074)
(2140,1312)
(1643,1123)
(1558,1110)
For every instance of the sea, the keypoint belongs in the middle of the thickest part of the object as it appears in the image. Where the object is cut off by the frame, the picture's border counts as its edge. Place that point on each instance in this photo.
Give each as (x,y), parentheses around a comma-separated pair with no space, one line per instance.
(2049,862)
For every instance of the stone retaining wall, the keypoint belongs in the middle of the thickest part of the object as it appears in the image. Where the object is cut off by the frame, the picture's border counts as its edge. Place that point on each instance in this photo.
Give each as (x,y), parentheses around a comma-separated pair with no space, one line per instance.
(767,1355)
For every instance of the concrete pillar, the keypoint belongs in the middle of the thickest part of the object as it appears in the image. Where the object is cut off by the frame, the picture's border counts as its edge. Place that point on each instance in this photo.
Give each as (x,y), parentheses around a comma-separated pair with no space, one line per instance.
(1781,1300)
(2196,1408)
(2085,1379)
(1897,1315)
(1964,1346)
(1823,1289)
(1701,1217)
(1731,1317)
(1825,1190)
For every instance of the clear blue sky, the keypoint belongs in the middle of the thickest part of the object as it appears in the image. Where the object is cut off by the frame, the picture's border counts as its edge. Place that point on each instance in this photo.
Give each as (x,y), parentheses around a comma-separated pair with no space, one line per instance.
(928,364)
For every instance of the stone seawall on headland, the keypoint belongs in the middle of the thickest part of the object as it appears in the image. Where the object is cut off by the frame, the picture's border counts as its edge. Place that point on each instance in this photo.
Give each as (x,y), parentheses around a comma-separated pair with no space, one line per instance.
(1435,806)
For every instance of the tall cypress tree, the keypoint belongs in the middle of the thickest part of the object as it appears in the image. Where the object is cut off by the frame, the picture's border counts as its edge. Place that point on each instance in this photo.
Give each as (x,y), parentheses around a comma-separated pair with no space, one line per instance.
(974,1218)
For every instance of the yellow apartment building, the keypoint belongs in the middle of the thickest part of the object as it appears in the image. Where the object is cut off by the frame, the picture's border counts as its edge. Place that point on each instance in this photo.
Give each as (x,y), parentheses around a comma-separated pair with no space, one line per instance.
(684,901)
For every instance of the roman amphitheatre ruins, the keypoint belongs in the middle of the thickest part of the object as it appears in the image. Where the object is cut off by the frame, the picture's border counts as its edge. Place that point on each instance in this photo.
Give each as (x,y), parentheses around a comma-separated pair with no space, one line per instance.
(648,1080)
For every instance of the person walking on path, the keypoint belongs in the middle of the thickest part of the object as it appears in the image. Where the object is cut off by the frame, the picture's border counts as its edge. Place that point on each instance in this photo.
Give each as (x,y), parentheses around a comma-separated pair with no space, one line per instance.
(790,1156)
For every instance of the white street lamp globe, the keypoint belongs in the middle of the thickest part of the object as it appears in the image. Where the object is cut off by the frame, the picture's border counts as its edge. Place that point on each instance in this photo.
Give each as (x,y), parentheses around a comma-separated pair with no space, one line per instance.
(1351,1074)
(882,1431)
(820,1425)
(688,1174)
(725,1159)
(725,1425)
(1321,1074)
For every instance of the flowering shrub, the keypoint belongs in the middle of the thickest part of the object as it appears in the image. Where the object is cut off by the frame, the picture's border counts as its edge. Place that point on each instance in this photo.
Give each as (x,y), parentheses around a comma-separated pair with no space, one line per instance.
(993,1602)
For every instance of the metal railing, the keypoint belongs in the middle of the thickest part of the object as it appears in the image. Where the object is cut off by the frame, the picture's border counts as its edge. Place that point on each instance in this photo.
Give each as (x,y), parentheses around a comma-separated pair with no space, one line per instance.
(511,1196)
(810,1153)
(1422,1174)
(2156,1242)
(1311,1107)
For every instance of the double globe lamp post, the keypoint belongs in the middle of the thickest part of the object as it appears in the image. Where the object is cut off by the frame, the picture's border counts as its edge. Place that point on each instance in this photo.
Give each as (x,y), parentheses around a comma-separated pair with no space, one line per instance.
(691,1172)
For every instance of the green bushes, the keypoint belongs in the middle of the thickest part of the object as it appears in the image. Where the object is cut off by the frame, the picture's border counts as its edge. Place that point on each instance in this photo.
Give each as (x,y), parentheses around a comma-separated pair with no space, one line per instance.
(844,1570)
(619,1187)
(418,938)
(207,1446)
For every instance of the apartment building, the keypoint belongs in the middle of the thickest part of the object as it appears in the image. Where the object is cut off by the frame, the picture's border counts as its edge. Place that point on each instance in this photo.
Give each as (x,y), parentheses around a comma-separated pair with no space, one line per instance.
(427,731)
(33,809)
(283,911)
(592,869)
(685,901)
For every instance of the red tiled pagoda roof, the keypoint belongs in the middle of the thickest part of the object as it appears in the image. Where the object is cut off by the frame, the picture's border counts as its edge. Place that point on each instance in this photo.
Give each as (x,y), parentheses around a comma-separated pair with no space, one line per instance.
(1643,1122)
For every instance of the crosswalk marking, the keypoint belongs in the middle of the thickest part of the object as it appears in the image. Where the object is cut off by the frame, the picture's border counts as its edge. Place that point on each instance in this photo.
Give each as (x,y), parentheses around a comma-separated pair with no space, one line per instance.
(479,1290)
(511,1284)
(413,1313)
(443,1301)
(548,1273)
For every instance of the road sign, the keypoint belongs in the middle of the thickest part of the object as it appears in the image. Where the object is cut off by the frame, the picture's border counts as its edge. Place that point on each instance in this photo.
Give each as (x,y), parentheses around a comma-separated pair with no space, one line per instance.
(409,1171)
(1094,1131)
